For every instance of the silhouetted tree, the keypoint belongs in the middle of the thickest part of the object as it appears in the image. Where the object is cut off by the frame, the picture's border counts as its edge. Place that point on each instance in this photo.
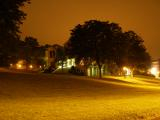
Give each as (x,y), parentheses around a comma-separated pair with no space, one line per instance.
(31,51)
(31,41)
(95,40)
(30,45)
(136,54)
(105,42)
(60,55)
(11,16)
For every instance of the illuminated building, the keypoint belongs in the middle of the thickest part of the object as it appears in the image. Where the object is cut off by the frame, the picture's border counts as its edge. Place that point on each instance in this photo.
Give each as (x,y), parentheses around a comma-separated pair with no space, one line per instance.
(50,58)
(67,63)
(155,68)
(93,70)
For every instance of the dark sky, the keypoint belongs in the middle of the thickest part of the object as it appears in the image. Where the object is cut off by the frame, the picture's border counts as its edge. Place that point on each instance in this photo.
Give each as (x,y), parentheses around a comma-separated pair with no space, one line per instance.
(50,21)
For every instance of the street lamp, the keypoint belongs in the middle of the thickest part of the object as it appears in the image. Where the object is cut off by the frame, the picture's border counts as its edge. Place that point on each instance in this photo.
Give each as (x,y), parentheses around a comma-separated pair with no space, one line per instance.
(155,72)
(127,71)
(30,66)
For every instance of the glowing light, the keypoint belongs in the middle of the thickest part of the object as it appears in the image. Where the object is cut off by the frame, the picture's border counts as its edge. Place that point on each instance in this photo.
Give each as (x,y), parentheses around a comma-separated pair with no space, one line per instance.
(127,71)
(89,72)
(70,63)
(40,66)
(68,66)
(11,65)
(19,66)
(155,72)
(30,66)
(59,66)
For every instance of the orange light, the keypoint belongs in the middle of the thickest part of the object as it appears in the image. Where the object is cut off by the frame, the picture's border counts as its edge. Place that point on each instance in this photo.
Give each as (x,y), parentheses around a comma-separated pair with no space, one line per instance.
(127,70)
(19,65)
(30,66)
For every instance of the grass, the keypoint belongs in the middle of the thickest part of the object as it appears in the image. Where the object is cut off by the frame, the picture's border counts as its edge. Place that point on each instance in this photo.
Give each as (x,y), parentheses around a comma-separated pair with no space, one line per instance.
(26,96)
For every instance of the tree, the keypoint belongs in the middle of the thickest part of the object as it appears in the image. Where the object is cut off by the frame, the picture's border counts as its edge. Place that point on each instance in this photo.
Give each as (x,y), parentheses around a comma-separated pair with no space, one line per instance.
(31,51)
(137,56)
(11,17)
(60,55)
(95,40)
(104,42)
(31,41)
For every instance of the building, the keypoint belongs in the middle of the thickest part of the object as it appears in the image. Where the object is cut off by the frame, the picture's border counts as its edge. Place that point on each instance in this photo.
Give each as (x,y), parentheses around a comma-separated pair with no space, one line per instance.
(50,56)
(93,71)
(155,68)
(68,63)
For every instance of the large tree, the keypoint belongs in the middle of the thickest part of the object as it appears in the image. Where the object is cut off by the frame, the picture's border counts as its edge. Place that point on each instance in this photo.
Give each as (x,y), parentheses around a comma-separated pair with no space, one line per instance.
(60,55)
(31,51)
(11,16)
(105,42)
(94,40)
(137,56)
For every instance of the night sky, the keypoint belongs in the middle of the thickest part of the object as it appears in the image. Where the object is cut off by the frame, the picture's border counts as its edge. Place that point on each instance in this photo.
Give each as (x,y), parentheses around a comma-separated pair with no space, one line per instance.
(50,21)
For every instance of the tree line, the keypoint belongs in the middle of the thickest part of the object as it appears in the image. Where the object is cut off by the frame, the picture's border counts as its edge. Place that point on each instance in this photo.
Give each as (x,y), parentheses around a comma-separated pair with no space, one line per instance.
(11,17)
(12,46)
(106,43)
(102,42)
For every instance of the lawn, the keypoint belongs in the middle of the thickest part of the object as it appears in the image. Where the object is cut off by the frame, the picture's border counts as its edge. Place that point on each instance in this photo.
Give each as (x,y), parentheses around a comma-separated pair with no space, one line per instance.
(37,96)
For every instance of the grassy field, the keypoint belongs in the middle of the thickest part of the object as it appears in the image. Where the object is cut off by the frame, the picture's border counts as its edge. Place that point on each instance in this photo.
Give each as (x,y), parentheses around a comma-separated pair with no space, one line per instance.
(37,96)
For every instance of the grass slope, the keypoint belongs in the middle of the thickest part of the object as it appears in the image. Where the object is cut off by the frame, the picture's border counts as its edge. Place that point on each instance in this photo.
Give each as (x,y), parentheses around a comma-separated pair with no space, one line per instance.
(26,96)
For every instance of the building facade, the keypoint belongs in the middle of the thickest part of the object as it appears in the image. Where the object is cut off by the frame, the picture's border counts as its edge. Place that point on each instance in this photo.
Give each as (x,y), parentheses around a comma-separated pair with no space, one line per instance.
(50,56)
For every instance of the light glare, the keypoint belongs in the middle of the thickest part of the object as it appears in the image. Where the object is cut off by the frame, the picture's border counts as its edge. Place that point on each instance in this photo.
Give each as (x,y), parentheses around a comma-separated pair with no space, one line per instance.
(127,71)
(31,66)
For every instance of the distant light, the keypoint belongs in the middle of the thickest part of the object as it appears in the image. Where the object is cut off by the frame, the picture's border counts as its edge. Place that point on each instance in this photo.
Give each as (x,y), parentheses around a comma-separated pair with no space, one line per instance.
(69,66)
(82,63)
(154,71)
(124,68)
(11,65)
(127,71)
(19,66)
(40,66)
(59,67)
(30,66)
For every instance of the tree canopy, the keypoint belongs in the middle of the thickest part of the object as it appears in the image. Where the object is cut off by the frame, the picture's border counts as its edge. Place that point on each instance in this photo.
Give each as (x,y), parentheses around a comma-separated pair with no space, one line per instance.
(60,55)
(31,51)
(104,42)
(11,16)
(95,39)
(136,55)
